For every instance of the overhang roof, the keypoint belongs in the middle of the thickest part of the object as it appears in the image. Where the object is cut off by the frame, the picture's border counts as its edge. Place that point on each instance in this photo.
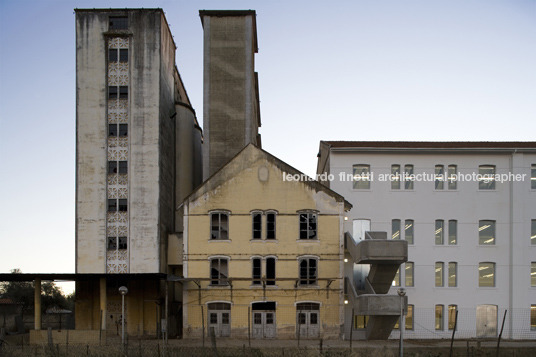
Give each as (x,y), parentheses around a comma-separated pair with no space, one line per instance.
(434,144)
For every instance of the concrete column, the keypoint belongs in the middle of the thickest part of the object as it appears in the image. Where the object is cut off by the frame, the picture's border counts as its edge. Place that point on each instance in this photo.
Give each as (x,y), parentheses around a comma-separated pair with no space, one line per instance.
(37,304)
(102,290)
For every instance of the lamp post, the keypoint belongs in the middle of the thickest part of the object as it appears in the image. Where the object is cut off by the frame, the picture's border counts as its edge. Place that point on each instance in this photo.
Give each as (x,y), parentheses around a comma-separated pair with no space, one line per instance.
(123,291)
(401,293)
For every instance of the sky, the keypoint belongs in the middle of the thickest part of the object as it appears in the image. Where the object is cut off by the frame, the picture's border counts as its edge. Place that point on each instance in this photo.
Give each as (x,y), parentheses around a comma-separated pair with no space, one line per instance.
(337,70)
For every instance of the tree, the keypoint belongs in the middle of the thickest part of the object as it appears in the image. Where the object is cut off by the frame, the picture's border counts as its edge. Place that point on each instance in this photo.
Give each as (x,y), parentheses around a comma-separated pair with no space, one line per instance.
(23,292)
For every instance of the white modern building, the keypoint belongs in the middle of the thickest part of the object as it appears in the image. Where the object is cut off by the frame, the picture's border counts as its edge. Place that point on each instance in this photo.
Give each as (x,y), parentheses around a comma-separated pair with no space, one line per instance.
(468,212)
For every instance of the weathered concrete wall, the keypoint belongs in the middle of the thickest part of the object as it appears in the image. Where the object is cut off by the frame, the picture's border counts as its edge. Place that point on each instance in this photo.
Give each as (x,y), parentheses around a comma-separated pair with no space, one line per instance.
(230,109)
(91,136)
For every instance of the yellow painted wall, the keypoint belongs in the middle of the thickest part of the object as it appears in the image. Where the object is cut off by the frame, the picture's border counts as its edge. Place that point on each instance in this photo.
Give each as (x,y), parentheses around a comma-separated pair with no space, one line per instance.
(240,192)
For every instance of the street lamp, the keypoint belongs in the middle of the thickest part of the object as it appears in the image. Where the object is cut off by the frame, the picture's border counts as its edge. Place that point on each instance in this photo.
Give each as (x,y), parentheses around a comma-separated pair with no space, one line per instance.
(401,293)
(123,291)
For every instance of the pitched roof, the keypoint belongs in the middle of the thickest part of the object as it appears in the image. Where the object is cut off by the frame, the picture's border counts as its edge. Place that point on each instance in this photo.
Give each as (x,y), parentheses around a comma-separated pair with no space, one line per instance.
(219,178)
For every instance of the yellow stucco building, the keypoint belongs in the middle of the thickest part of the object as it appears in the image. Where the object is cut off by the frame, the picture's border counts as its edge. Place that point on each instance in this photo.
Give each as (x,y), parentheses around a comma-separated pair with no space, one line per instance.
(263,253)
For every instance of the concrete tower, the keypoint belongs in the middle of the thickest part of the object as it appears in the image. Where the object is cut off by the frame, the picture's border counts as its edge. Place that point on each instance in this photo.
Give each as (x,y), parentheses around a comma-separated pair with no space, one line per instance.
(231,116)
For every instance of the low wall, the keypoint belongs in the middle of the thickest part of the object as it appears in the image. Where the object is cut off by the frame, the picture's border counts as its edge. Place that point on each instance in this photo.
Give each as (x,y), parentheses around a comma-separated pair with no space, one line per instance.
(71,337)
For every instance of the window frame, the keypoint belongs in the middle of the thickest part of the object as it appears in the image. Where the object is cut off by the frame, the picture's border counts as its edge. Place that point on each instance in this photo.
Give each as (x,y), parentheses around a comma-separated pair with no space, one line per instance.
(274,229)
(395,177)
(309,215)
(452,223)
(256,280)
(481,237)
(256,234)
(452,270)
(533,317)
(221,229)
(439,318)
(361,183)
(486,184)
(410,228)
(409,271)
(439,269)
(222,278)
(451,312)
(439,232)
(533,232)
(121,23)
(396,279)
(308,280)
(396,223)
(409,179)
(481,267)
(533,274)
(452,172)
(439,175)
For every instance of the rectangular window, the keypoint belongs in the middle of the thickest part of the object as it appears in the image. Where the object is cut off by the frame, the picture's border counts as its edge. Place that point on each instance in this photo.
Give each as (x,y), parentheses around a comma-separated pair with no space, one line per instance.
(360,321)
(112,130)
(395,229)
(270,226)
(112,167)
(361,177)
(439,177)
(122,205)
(112,205)
(256,271)
(453,232)
(439,225)
(123,92)
(453,274)
(219,226)
(533,274)
(308,226)
(219,271)
(486,177)
(533,317)
(123,55)
(439,317)
(409,274)
(270,271)
(257,225)
(533,176)
(118,23)
(452,173)
(439,274)
(123,130)
(308,271)
(533,231)
(452,316)
(112,92)
(409,177)
(408,230)
(112,243)
(112,55)
(123,167)
(486,232)
(122,242)
(395,177)
(486,274)
(396,280)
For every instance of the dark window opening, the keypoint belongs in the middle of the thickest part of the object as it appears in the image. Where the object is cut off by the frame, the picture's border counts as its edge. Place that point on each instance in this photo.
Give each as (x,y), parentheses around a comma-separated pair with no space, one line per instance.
(263,306)
(122,242)
(112,130)
(123,55)
(218,271)
(256,271)
(112,92)
(257,225)
(270,271)
(118,23)
(270,226)
(123,129)
(308,271)
(112,243)
(112,167)
(219,226)
(123,167)
(112,205)
(123,92)
(112,55)
(122,205)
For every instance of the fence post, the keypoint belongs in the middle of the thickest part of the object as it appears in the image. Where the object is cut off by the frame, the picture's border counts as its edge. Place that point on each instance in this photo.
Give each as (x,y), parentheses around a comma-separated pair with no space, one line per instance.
(351,329)
(500,334)
(203,325)
(249,326)
(453,332)
(299,328)
(213,340)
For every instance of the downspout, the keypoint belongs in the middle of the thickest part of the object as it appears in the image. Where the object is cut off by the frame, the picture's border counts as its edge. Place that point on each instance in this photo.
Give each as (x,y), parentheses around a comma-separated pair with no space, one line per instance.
(511,253)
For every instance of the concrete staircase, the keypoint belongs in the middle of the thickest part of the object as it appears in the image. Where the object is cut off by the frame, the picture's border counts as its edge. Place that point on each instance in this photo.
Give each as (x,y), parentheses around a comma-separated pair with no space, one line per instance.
(384,257)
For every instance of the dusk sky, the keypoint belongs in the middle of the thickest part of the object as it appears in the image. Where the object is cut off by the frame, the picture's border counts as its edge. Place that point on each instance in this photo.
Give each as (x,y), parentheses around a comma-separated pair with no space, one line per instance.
(339,70)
